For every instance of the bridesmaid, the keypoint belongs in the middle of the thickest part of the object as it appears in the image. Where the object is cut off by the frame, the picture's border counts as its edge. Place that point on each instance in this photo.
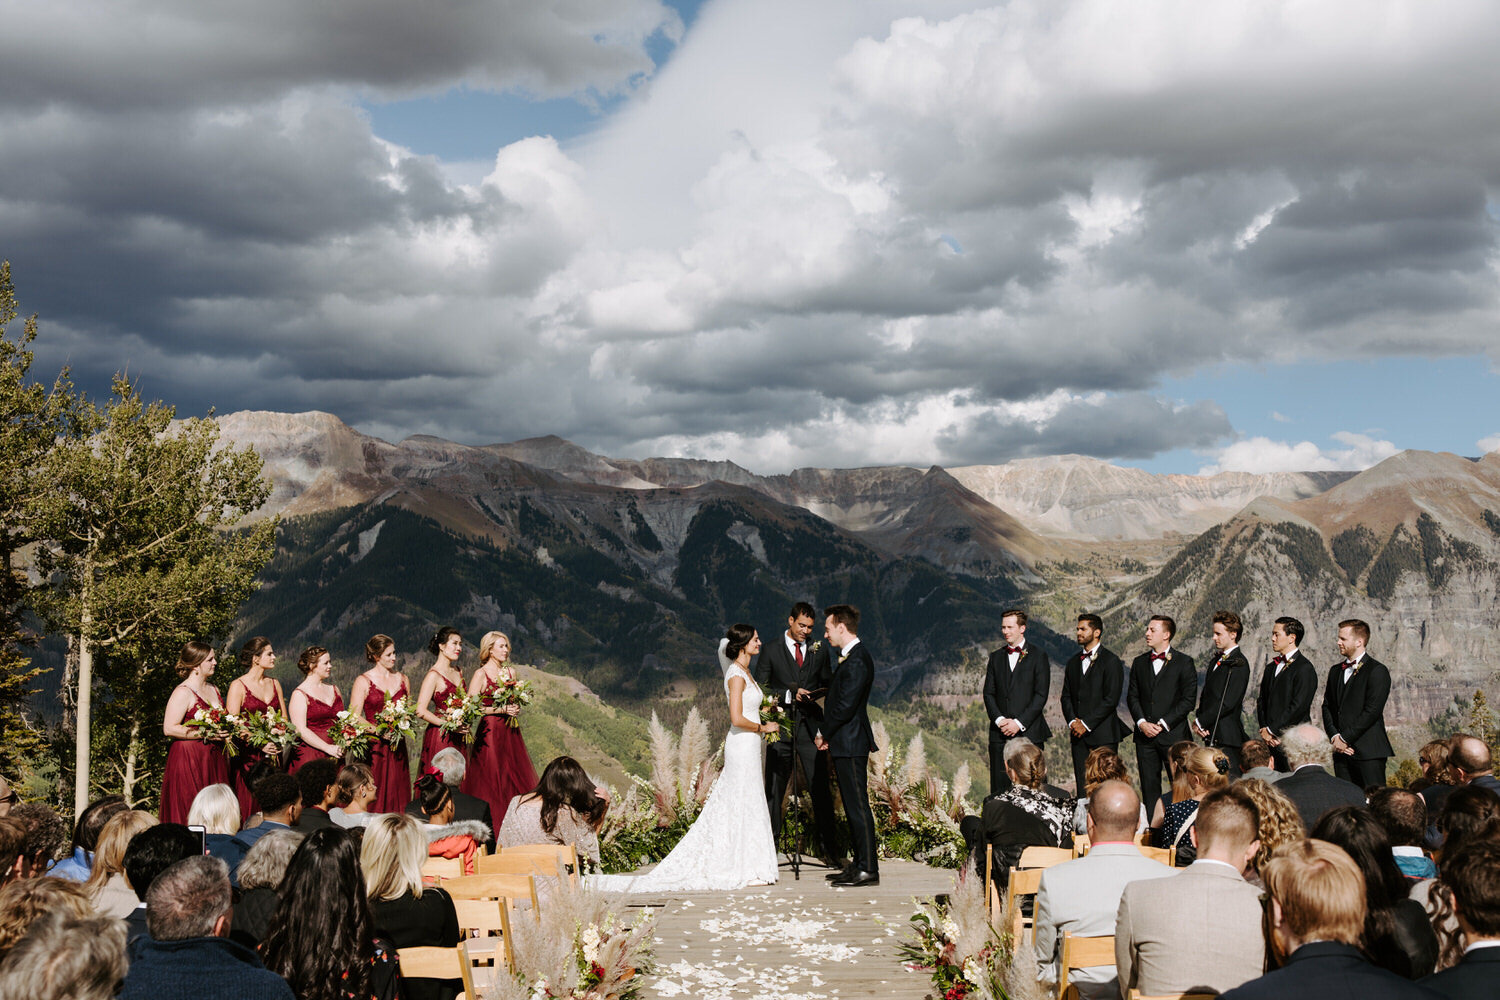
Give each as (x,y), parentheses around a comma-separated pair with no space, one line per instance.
(499,766)
(253,691)
(313,707)
(192,765)
(443,681)
(375,687)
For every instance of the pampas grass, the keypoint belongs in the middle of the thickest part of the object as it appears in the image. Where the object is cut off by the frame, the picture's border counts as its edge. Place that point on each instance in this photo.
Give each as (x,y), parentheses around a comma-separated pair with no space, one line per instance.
(547,949)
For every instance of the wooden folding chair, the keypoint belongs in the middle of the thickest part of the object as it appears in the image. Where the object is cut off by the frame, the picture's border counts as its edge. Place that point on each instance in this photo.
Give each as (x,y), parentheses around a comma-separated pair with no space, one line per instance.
(564,857)
(1081,845)
(485,924)
(435,963)
(1136,994)
(1082,953)
(536,865)
(1044,857)
(1166,855)
(1021,882)
(442,869)
(511,888)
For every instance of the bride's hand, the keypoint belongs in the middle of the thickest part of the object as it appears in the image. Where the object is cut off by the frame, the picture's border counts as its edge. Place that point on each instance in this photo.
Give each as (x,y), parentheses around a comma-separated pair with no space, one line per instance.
(771,727)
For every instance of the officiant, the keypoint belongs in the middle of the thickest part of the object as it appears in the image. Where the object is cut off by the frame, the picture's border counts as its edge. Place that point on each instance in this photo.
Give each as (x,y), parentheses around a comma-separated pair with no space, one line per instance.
(797,667)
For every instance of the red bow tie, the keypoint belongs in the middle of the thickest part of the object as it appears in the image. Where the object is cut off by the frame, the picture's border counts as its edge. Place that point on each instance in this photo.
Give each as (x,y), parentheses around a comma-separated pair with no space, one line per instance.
(1158,656)
(1349,663)
(1278,661)
(1013,649)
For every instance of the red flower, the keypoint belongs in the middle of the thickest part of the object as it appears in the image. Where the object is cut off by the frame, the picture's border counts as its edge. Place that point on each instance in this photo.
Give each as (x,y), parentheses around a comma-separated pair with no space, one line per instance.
(598,971)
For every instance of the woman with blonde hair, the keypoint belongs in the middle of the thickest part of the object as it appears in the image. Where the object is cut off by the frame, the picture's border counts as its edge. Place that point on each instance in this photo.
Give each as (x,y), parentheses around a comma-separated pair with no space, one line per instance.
(1280,823)
(107,887)
(191,763)
(1176,757)
(499,766)
(1202,771)
(217,809)
(404,910)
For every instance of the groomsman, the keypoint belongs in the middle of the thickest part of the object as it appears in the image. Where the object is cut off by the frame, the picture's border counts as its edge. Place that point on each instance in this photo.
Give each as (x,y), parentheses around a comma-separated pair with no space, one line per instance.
(1016,682)
(1162,684)
(1286,688)
(845,732)
(1354,709)
(1225,682)
(797,668)
(1093,681)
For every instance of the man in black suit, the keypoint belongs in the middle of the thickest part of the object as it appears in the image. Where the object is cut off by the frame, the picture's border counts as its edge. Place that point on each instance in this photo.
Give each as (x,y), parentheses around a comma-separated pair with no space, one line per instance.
(1162,684)
(451,766)
(1093,681)
(1471,763)
(1473,873)
(1016,682)
(1354,709)
(1310,787)
(845,732)
(796,669)
(1224,685)
(1286,688)
(1316,919)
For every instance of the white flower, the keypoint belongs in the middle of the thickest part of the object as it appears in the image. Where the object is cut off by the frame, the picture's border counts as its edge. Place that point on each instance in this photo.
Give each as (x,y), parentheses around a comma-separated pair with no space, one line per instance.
(949,928)
(973,972)
(590,942)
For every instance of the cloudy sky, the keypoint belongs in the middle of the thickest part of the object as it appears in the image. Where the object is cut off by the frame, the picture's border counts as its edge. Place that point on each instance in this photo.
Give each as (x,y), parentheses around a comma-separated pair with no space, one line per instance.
(1245,234)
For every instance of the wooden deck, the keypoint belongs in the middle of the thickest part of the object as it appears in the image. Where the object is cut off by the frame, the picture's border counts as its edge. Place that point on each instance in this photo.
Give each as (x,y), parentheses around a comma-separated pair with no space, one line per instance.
(796,940)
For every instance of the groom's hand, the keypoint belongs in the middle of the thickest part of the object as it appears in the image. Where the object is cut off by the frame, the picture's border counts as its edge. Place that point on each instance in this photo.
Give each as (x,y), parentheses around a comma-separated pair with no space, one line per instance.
(820,742)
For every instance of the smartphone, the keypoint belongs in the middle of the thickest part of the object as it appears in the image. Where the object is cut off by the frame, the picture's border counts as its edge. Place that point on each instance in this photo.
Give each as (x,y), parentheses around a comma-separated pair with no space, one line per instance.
(202,838)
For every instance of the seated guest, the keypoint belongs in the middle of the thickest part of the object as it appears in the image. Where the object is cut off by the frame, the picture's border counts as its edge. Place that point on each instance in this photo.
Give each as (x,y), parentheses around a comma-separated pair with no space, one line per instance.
(1398,935)
(46,835)
(260,873)
(356,795)
(107,888)
(8,797)
(149,853)
(1316,920)
(1280,823)
(1471,764)
(217,809)
(447,837)
(1436,781)
(1101,765)
(322,940)
(565,808)
(1470,815)
(1176,757)
(1403,813)
(66,958)
(189,955)
(23,903)
(1199,932)
(12,846)
(1022,816)
(1205,769)
(1473,876)
(451,768)
(280,799)
(405,911)
(1083,896)
(1310,786)
(86,838)
(1255,758)
(320,790)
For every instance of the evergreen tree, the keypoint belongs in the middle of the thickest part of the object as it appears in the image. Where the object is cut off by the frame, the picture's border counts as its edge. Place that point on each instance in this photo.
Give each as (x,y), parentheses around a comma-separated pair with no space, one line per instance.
(1481,719)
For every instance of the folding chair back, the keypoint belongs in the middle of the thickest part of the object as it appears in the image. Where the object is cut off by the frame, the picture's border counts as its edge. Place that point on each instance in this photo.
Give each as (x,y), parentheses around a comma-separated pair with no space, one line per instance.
(1044,857)
(1082,953)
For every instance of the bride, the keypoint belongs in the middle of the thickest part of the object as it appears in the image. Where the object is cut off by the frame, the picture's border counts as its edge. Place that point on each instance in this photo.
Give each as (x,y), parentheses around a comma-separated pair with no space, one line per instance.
(729,845)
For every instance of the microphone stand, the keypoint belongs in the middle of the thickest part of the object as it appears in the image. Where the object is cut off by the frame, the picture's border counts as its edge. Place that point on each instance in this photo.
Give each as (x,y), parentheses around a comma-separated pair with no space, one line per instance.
(794,796)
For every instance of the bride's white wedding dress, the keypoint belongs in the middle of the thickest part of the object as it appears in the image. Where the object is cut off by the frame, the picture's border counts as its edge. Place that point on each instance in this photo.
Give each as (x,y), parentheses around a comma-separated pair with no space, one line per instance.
(729,845)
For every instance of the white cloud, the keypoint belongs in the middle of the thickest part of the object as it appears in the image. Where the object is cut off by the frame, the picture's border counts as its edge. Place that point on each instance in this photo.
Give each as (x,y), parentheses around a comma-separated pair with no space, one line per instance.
(1489,444)
(1261,455)
(1280,418)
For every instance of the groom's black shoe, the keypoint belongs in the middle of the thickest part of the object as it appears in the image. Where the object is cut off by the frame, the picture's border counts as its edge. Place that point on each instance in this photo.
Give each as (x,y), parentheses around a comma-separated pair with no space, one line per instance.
(845,872)
(858,878)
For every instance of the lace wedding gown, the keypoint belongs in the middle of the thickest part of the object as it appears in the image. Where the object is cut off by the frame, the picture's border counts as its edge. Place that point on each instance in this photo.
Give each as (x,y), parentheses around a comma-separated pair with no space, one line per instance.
(729,845)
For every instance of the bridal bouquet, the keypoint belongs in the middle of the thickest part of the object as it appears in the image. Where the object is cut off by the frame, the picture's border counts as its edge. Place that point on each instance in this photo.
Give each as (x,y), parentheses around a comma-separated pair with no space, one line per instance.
(459,712)
(352,734)
(772,711)
(393,723)
(269,728)
(214,725)
(511,690)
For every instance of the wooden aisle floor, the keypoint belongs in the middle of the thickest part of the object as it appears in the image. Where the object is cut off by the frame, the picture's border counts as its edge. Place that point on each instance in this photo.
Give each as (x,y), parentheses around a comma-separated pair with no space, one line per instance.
(796,940)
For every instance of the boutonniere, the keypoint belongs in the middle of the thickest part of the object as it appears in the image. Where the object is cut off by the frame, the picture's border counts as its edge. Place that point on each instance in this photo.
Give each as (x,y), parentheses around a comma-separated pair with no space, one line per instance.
(817,645)
(1025,652)
(843,658)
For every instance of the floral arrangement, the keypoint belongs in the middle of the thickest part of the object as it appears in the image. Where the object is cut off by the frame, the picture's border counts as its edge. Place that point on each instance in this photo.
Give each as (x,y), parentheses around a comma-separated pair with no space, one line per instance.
(583,947)
(352,734)
(511,690)
(394,721)
(269,727)
(214,725)
(956,944)
(771,711)
(459,712)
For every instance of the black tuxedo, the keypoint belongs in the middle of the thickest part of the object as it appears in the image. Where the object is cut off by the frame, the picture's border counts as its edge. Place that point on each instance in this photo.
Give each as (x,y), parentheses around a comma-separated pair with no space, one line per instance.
(1222,701)
(1019,694)
(1327,969)
(777,674)
(846,727)
(1473,978)
(1092,698)
(1356,711)
(1286,701)
(1165,697)
(1314,791)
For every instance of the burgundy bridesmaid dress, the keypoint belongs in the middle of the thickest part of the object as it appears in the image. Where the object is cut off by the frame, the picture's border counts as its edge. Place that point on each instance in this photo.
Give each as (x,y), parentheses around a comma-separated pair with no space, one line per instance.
(248,757)
(192,766)
(390,764)
(320,719)
(436,737)
(499,766)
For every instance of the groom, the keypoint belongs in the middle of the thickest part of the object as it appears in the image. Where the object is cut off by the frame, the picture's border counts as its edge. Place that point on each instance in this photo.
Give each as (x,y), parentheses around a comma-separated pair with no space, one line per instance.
(846,734)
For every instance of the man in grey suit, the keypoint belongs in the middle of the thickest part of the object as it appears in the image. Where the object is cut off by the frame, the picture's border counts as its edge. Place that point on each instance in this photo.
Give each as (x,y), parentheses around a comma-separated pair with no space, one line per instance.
(1201,931)
(1310,787)
(1083,896)
(1255,759)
